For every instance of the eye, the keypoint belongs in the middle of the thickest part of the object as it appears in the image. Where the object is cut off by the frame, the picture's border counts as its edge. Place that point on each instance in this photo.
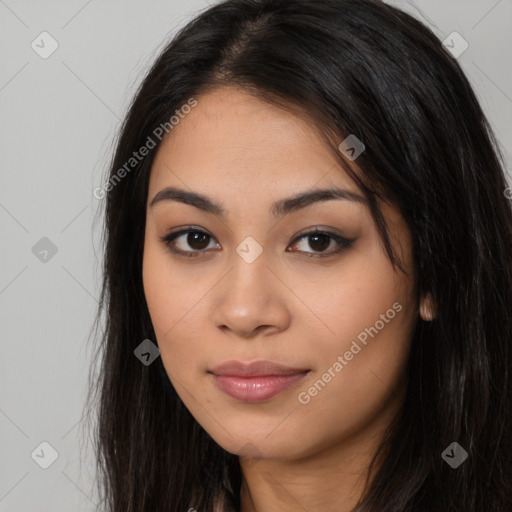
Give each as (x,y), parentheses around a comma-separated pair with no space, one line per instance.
(196,239)
(320,240)
(199,240)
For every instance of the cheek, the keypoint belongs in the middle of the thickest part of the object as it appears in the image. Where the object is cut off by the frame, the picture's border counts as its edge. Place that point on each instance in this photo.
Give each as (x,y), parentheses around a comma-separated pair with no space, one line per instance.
(174,303)
(169,293)
(370,315)
(346,394)
(348,301)
(156,286)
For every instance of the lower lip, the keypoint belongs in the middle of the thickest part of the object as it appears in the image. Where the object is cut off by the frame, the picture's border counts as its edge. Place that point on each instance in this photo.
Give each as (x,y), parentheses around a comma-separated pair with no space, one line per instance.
(256,389)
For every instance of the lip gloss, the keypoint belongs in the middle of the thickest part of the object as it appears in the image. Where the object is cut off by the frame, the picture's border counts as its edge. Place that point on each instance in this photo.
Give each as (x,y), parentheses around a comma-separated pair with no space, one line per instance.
(256,388)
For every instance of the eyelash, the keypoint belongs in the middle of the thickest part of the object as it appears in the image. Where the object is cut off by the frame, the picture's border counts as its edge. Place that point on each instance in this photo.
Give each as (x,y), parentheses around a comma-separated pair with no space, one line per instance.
(344,243)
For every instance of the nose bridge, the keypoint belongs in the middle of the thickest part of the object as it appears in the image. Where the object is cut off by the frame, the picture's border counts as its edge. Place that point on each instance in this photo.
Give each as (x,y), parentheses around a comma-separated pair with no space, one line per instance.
(250,296)
(249,250)
(250,272)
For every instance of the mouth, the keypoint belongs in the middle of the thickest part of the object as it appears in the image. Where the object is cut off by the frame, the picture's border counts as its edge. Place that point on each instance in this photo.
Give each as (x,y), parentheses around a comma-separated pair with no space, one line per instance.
(257,381)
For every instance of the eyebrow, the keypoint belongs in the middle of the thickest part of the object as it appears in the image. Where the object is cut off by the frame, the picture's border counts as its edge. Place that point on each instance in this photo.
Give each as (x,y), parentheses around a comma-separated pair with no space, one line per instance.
(278,209)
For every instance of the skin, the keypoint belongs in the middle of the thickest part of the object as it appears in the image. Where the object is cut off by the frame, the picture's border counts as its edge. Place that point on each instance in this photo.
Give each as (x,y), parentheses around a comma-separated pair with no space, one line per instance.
(286,307)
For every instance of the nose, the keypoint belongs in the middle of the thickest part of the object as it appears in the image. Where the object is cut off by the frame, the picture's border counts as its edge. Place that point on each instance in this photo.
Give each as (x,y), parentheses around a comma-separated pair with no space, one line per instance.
(251,300)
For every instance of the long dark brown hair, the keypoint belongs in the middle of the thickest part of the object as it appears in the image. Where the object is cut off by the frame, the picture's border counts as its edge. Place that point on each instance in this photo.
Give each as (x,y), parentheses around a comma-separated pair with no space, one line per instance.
(354,67)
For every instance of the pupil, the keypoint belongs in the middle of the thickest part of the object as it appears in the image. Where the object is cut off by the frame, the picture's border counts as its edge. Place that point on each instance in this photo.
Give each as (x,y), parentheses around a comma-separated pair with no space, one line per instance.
(320,236)
(194,237)
(199,241)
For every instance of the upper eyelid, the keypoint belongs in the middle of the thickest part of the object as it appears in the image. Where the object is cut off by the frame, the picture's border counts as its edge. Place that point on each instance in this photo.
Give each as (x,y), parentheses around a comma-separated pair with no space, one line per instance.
(338,238)
(302,233)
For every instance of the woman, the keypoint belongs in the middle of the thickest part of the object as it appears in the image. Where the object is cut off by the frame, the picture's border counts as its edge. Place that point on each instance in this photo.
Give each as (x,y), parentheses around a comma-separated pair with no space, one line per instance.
(307,277)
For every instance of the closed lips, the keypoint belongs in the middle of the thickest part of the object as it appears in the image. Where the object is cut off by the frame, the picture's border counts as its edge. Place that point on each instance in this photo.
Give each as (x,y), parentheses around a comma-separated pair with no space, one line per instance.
(255,382)
(255,369)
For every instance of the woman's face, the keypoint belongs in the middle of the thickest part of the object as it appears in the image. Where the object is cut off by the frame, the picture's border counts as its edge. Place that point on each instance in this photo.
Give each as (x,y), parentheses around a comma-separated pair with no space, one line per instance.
(248,284)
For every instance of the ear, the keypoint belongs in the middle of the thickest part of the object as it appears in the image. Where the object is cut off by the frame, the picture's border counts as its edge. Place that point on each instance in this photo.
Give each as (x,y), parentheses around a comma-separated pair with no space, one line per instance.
(427,308)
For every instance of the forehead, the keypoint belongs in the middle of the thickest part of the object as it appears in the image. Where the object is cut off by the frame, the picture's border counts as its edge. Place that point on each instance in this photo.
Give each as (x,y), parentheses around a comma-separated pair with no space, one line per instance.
(235,140)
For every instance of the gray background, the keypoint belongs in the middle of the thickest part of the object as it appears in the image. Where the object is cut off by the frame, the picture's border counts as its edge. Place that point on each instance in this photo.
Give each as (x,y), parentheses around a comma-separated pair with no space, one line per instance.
(59,119)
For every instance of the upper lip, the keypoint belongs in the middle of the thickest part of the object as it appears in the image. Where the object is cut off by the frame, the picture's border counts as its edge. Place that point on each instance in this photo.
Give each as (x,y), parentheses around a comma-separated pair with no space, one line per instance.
(256,368)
